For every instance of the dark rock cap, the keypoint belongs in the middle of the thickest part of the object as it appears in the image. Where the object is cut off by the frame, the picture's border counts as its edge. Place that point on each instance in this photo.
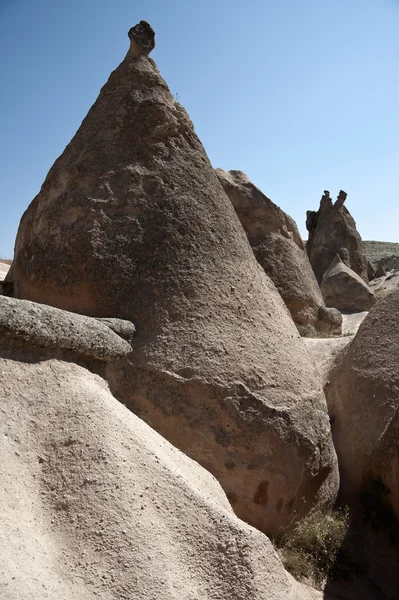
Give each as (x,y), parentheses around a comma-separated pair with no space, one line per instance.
(142,37)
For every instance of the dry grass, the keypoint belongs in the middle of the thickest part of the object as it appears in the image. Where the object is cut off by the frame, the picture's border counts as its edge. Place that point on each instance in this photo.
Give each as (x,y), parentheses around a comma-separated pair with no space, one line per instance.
(310,332)
(309,551)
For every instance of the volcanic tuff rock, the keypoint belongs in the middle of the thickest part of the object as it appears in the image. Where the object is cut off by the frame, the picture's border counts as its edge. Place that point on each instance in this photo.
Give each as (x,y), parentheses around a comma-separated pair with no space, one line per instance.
(331,229)
(95,504)
(363,395)
(385,285)
(217,365)
(278,247)
(342,288)
(37,325)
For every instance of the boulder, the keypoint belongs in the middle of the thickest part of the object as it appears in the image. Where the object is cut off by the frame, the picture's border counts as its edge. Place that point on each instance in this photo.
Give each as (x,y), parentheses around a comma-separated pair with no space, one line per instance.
(279,249)
(217,365)
(342,288)
(95,504)
(363,395)
(331,229)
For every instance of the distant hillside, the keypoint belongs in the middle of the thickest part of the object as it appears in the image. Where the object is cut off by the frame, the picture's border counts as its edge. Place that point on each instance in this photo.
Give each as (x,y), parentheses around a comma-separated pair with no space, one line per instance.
(378,250)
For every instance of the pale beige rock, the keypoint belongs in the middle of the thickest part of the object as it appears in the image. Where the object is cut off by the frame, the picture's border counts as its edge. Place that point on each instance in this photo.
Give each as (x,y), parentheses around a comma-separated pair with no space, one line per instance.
(363,396)
(385,285)
(132,222)
(95,504)
(342,288)
(327,352)
(278,247)
(4,268)
(40,326)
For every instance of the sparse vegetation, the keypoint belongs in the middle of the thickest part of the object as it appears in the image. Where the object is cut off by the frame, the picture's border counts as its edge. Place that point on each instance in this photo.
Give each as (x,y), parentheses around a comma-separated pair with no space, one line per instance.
(310,332)
(310,551)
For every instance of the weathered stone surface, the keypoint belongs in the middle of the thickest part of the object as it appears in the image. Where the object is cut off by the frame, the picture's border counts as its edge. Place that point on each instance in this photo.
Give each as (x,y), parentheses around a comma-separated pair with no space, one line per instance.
(327,352)
(34,324)
(278,247)
(125,329)
(342,288)
(4,268)
(217,365)
(331,229)
(386,285)
(95,504)
(363,395)
(142,39)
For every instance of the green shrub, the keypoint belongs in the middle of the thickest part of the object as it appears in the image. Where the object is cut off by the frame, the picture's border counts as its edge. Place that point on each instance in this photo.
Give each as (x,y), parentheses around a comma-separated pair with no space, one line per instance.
(310,550)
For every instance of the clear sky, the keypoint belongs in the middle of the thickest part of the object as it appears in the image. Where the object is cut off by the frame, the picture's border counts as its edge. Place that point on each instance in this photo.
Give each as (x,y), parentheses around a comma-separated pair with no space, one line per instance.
(302,95)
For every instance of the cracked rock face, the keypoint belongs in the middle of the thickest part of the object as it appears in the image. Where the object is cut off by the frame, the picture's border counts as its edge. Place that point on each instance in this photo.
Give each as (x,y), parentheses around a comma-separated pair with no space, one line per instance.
(132,223)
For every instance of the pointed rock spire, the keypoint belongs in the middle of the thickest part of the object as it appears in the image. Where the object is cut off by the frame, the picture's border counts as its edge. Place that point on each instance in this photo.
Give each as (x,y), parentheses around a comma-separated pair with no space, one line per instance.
(132,222)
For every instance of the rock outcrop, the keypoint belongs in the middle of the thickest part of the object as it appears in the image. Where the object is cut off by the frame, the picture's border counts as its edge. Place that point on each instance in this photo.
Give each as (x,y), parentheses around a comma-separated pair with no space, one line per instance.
(342,288)
(278,247)
(363,396)
(385,285)
(41,326)
(132,222)
(332,229)
(95,504)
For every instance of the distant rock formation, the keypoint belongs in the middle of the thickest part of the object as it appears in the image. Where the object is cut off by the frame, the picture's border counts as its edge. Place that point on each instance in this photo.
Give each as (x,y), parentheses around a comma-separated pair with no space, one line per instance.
(363,395)
(278,247)
(342,288)
(94,503)
(132,222)
(385,285)
(331,229)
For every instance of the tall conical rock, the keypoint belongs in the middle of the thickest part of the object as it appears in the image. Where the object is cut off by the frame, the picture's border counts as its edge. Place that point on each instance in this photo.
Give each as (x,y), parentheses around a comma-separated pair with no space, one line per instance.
(132,222)
(332,230)
(278,247)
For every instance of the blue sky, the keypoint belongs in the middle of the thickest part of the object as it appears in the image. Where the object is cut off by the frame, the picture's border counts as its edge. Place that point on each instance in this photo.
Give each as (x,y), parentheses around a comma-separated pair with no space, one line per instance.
(302,95)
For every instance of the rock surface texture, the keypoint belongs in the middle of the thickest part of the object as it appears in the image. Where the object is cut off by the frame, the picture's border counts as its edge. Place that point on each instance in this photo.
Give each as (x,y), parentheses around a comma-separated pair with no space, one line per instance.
(386,285)
(4,268)
(332,230)
(342,288)
(95,504)
(363,395)
(278,247)
(132,222)
(43,326)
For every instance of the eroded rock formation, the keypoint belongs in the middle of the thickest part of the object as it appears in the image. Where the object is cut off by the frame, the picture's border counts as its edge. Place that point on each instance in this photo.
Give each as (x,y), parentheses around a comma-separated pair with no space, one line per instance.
(331,229)
(132,222)
(278,247)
